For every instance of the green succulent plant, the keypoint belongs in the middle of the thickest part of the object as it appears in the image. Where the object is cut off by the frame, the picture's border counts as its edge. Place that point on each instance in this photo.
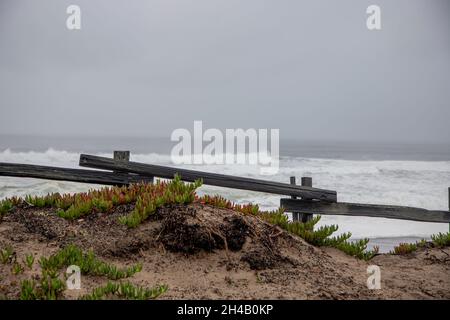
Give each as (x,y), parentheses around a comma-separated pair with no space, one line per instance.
(125,290)
(29,260)
(441,239)
(17,268)
(7,255)
(88,263)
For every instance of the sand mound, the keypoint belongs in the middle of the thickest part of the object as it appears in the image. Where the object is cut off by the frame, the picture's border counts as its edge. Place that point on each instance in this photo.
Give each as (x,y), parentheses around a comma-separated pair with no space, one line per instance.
(206,252)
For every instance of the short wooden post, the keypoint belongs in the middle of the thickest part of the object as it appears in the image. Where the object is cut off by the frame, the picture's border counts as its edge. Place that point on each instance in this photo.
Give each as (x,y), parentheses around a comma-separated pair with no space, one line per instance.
(449,206)
(123,156)
(295,215)
(306,182)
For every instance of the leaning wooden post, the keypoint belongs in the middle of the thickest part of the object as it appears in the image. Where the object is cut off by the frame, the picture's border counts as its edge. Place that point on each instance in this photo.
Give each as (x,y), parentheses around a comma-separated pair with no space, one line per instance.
(306,182)
(295,215)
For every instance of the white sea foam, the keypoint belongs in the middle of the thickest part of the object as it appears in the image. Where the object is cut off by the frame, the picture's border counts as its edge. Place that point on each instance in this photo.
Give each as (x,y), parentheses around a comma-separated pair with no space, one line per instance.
(409,183)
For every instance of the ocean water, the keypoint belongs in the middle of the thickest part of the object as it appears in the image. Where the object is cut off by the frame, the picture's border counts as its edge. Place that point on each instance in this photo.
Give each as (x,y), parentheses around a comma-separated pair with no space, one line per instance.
(409,175)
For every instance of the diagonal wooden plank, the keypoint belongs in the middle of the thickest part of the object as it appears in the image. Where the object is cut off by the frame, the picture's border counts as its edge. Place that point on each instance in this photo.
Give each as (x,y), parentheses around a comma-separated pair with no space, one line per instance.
(214,179)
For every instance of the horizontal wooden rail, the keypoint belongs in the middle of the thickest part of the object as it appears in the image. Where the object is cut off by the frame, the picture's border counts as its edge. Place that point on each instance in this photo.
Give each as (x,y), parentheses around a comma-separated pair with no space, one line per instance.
(64,174)
(369,210)
(213,179)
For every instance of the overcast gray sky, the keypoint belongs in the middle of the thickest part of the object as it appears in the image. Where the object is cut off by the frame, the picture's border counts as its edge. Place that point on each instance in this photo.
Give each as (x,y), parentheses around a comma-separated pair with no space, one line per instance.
(144,68)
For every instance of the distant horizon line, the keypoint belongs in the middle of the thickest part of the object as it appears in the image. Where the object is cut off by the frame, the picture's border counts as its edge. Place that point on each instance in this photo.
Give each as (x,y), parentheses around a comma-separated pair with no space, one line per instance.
(160,137)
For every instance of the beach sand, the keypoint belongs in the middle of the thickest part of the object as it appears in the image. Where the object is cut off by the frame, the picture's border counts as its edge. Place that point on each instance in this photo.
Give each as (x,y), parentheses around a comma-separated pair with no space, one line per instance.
(203,252)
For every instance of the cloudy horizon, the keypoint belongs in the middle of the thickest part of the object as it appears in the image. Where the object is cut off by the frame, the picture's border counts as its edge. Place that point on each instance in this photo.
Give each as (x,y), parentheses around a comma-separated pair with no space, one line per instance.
(145,68)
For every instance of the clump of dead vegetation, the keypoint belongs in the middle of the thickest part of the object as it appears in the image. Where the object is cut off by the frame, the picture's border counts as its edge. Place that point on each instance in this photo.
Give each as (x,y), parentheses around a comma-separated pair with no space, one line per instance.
(321,236)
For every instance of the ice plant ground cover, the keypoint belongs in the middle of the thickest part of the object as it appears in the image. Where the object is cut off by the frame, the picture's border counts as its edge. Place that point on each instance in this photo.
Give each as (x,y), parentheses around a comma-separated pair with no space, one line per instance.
(50,284)
(439,240)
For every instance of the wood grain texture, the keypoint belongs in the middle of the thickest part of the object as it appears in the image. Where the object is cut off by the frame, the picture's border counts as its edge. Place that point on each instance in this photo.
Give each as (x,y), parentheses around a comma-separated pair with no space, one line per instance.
(369,210)
(214,179)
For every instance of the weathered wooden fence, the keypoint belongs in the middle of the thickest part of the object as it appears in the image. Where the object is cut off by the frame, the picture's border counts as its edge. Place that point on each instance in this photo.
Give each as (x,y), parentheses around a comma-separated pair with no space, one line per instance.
(304,201)
(213,179)
(312,200)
